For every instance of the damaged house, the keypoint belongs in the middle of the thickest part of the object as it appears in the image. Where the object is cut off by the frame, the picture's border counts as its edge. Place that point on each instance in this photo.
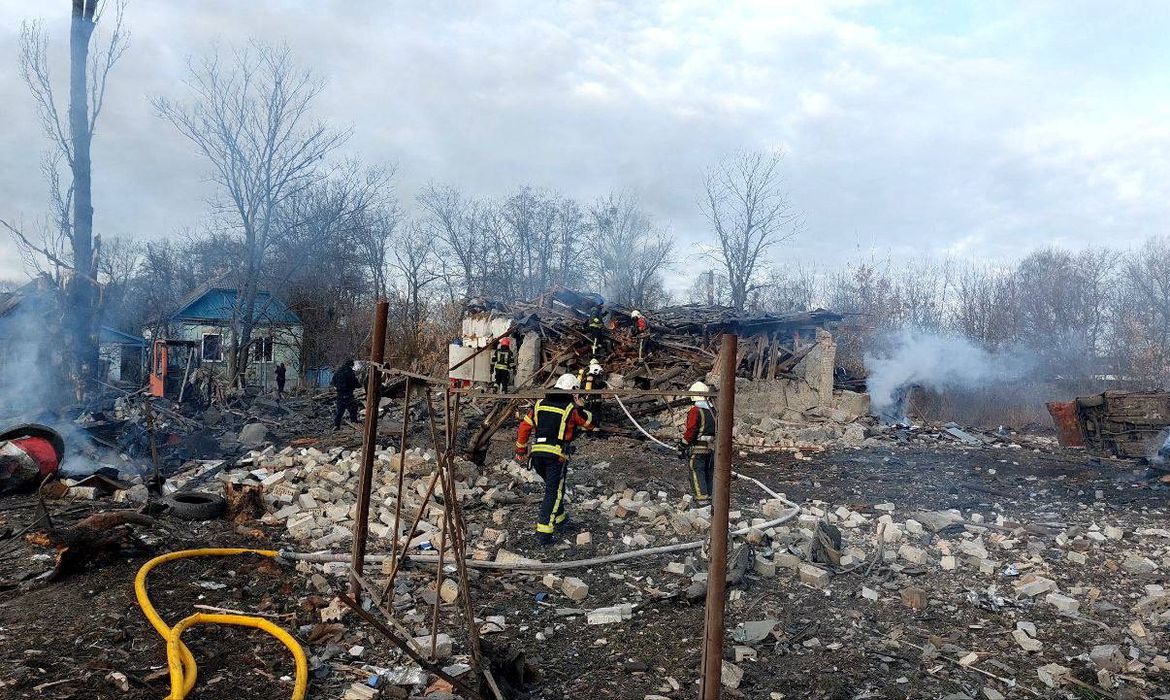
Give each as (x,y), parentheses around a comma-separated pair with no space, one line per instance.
(207,317)
(787,363)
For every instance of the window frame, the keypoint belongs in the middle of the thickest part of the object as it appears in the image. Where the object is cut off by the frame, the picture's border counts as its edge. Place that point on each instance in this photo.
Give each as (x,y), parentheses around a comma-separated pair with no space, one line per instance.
(203,347)
(261,344)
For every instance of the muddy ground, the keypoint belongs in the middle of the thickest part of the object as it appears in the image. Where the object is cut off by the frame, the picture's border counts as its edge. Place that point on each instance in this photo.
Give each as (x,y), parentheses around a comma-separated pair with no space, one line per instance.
(63,639)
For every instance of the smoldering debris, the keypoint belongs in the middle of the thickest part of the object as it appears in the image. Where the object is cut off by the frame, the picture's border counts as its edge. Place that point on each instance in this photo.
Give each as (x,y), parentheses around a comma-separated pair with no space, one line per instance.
(916,358)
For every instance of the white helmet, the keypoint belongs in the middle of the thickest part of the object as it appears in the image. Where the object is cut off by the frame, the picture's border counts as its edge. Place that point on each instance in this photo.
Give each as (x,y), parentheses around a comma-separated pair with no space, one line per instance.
(699,386)
(567,382)
(635,314)
(594,367)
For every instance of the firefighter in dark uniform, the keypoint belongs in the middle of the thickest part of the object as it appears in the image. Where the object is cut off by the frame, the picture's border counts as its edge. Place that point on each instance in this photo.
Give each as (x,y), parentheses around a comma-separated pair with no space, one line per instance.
(597,328)
(699,439)
(503,365)
(545,436)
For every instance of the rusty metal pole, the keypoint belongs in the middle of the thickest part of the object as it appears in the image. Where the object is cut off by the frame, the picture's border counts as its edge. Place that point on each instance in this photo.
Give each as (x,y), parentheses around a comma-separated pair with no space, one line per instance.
(401,468)
(369,444)
(720,506)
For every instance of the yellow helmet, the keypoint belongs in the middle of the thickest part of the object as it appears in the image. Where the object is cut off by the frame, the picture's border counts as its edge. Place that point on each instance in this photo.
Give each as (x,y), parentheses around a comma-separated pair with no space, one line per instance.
(699,386)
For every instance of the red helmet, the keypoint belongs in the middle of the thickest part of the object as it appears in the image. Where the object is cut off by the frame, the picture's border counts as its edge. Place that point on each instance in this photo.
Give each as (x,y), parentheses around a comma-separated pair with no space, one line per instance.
(505,342)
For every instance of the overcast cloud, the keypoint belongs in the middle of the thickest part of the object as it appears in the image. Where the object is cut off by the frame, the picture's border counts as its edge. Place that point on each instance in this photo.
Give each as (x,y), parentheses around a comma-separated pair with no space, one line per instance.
(909,128)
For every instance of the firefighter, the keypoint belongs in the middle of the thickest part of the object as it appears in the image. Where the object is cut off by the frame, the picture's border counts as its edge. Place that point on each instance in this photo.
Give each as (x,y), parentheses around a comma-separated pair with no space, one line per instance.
(503,365)
(641,332)
(699,439)
(589,378)
(596,319)
(545,437)
(597,328)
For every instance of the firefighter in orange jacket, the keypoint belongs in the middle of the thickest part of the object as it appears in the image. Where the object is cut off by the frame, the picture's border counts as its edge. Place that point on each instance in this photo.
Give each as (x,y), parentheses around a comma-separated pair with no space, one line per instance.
(699,438)
(544,437)
(641,332)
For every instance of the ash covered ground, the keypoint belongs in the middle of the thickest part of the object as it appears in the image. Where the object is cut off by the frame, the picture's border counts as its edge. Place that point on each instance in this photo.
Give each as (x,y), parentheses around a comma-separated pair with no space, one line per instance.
(1044,579)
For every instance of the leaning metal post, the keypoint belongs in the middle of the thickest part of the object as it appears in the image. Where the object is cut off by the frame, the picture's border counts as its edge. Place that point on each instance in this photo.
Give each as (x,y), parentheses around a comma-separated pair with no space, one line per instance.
(373,384)
(720,506)
(401,469)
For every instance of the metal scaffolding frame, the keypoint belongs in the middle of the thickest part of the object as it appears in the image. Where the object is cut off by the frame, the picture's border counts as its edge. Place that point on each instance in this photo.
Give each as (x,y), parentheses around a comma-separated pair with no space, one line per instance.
(453,530)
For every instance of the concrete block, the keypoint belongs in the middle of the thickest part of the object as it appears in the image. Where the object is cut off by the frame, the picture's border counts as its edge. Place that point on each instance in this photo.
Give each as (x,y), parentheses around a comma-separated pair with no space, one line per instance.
(1032,586)
(443,644)
(449,591)
(914,555)
(575,589)
(1063,603)
(1108,657)
(814,576)
(784,560)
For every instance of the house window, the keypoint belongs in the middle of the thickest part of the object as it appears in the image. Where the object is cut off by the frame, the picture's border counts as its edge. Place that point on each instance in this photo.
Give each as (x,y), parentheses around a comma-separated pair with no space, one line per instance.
(263,350)
(212,347)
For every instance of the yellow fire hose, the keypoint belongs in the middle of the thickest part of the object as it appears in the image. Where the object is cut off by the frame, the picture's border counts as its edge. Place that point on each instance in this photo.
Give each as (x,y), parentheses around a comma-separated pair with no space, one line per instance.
(179,659)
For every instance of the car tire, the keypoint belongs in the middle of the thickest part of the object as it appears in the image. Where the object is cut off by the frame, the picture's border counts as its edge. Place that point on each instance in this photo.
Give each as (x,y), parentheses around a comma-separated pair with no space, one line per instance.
(194,505)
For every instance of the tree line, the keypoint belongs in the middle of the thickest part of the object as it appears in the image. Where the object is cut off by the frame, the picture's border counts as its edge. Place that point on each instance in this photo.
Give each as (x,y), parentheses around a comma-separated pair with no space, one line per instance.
(293,215)
(1093,318)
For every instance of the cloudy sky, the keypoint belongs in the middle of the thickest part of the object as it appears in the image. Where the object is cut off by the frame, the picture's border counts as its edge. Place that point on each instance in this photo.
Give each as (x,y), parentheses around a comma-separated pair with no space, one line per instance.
(971,129)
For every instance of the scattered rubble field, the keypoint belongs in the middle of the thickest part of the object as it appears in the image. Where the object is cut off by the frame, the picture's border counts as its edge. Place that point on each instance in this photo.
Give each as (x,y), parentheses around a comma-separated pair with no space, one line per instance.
(1045,580)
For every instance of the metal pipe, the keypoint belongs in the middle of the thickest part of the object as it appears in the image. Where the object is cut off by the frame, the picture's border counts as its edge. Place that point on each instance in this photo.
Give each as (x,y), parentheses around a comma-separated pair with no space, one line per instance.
(439,573)
(361,525)
(720,506)
(401,474)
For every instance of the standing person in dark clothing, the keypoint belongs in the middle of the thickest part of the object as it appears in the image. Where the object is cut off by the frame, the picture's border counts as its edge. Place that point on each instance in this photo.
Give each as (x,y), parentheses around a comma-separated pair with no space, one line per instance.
(281,376)
(544,438)
(345,381)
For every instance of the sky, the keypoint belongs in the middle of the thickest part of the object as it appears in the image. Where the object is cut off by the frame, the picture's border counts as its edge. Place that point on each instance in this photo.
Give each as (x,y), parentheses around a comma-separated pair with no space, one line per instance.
(979,130)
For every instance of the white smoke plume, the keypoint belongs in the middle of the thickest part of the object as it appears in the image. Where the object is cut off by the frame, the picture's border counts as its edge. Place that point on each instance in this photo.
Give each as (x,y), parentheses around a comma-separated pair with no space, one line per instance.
(938,362)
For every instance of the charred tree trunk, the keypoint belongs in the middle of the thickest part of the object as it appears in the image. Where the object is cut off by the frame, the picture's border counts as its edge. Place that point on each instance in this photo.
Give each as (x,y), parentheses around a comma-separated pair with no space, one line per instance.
(82,297)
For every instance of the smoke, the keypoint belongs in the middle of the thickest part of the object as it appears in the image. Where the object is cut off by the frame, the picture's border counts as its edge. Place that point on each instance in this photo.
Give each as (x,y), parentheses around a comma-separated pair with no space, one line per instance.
(34,384)
(913,358)
(31,370)
(1160,449)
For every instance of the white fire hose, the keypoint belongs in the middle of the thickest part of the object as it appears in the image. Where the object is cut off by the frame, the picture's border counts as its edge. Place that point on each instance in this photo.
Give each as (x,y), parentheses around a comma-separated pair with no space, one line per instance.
(737,475)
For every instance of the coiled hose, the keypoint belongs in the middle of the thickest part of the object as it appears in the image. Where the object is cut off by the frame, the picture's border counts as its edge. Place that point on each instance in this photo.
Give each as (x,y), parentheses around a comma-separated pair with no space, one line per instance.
(181,663)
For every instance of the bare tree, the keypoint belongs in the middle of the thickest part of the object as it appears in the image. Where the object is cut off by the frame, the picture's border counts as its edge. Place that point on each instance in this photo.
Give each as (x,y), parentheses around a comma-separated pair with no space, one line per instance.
(451,218)
(416,270)
(629,254)
(72,137)
(750,212)
(794,288)
(250,118)
(1142,312)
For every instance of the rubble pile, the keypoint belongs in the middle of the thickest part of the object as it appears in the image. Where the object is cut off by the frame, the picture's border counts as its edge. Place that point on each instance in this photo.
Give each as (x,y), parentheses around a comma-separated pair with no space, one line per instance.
(993,572)
(312,493)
